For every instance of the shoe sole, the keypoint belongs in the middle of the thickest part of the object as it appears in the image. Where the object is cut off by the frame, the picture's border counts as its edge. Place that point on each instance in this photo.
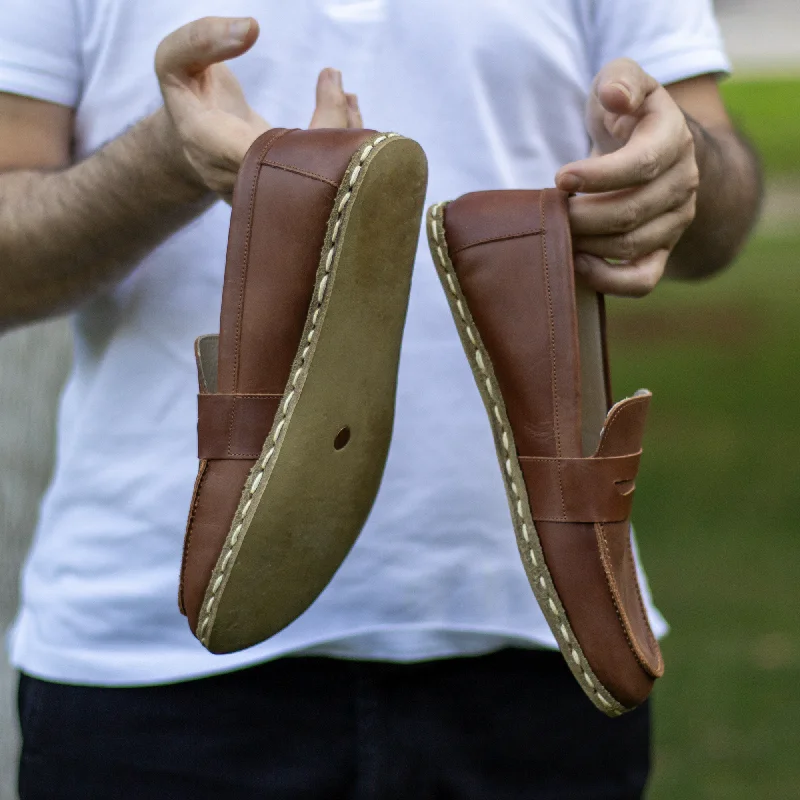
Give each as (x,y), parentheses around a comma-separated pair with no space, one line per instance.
(530,549)
(311,490)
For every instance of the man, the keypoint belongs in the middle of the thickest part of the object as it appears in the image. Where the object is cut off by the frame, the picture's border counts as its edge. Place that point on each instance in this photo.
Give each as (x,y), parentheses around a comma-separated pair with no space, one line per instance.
(106,211)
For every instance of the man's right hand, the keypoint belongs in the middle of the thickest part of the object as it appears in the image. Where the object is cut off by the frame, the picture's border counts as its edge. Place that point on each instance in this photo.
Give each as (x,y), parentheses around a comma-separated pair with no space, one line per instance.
(206,106)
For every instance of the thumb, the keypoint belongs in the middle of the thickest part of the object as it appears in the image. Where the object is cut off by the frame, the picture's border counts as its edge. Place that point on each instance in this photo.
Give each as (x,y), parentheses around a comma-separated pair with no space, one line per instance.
(332,108)
(622,86)
(204,42)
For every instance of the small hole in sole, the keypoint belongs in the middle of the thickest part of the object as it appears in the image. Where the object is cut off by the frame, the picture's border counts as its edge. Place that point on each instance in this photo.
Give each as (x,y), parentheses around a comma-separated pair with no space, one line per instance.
(342,438)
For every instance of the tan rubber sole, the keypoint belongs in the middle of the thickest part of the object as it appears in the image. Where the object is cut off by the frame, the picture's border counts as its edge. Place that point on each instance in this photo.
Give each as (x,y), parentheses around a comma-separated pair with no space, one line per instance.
(316,479)
(530,549)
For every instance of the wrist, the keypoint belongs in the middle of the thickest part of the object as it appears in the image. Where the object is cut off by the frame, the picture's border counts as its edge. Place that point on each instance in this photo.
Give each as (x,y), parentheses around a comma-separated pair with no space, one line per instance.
(704,144)
(169,154)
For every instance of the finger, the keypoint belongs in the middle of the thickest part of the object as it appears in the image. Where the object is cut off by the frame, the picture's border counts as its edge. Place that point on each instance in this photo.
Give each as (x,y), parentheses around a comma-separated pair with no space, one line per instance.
(622,86)
(625,280)
(664,231)
(354,118)
(331,110)
(625,211)
(206,41)
(658,141)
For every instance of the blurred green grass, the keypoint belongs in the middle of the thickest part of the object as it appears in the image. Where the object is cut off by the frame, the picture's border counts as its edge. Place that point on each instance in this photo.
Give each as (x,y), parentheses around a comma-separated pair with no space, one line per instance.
(718,506)
(769,112)
(717,511)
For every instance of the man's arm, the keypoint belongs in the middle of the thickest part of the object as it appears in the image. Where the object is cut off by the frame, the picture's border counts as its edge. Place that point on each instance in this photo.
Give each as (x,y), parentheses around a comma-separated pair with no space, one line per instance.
(663,191)
(730,190)
(68,231)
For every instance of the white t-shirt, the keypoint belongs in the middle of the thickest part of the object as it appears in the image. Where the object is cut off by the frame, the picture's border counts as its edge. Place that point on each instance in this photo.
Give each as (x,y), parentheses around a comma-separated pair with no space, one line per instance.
(494,90)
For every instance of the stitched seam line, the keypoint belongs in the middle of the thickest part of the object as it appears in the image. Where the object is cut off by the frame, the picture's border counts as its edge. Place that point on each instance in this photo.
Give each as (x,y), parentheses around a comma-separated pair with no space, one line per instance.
(229,451)
(279,427)
(297,171)
(243,396)
(659,669)
(489,239)
(231,420)
(245,259)
(496,422)
(189,528)
(649,631)
(616,598)
(590,458)
(553,367)
(615,415)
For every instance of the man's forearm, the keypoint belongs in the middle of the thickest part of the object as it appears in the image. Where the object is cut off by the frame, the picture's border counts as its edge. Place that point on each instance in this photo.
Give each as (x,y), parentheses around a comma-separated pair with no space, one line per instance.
(65,235)
(728,202)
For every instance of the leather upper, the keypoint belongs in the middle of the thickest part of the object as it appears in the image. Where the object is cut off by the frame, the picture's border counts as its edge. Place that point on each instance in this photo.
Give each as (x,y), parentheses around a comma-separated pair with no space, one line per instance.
(512,253)
(282,201)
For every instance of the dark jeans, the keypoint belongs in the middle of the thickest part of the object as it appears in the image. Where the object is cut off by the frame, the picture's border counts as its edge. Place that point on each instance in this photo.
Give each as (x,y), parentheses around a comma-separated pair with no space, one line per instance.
(513,724)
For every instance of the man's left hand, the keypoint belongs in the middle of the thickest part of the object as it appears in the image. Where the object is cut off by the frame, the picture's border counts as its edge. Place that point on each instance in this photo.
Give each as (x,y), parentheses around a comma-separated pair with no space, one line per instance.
(637,190)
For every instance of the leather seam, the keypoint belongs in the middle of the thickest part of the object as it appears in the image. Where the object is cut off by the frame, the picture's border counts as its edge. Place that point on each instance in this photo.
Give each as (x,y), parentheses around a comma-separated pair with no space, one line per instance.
(622,617)
(615,415)
(303,172)
(231,421)
(229,451)
(490,239)
(651,639)
(553,367)
(626,456)
(188,539)
(616,598)
(241,396)
(246,256)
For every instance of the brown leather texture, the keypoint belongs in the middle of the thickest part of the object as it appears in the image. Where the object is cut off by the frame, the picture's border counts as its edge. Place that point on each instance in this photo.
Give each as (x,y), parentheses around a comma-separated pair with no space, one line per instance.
(233,425)
(597,489)
(282,201)
(512,254)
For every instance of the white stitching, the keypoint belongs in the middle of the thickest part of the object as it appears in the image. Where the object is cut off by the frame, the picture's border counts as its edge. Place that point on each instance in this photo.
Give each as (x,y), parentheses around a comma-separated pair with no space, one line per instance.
(323,285)
(503,438)
(238,530)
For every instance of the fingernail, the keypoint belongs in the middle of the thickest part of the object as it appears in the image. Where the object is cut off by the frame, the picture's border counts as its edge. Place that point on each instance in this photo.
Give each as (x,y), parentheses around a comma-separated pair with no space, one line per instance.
(569,182)
(238,29)
(621,87)
(338,78)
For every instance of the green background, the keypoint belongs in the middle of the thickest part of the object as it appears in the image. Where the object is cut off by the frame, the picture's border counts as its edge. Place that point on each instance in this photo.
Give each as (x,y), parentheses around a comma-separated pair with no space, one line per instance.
(718,502)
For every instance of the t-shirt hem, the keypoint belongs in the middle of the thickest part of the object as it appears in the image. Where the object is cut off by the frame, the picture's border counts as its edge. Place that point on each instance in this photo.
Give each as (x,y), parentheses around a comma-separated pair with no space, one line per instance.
(396,644)
(681,65)
(39,85)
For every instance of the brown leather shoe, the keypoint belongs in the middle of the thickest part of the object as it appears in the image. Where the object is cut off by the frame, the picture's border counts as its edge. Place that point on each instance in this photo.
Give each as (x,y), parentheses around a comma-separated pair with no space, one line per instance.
(297,393)
(536,344)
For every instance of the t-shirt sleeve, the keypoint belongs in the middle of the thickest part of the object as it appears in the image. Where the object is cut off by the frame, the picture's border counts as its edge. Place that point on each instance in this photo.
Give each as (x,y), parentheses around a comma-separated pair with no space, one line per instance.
(40,54)
(671,39)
